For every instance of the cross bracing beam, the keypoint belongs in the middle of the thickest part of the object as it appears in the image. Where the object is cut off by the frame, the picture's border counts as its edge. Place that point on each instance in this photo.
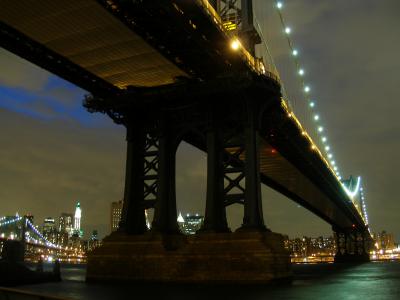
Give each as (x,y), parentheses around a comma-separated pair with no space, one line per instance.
(104,46)
(287,162)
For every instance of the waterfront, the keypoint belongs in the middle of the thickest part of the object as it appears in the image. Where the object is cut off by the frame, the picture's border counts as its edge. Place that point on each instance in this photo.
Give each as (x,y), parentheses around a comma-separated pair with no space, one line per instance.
(375,280)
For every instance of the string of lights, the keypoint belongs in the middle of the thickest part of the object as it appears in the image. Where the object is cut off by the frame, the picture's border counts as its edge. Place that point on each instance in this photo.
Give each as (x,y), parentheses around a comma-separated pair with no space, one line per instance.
(48,243)
(10,221)
(301,72)
(364,206)
(312,104)
(30,238)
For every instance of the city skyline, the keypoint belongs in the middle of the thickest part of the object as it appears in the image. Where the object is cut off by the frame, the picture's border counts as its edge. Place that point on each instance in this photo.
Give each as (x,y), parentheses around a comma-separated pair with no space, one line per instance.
(58,151)
(69,222)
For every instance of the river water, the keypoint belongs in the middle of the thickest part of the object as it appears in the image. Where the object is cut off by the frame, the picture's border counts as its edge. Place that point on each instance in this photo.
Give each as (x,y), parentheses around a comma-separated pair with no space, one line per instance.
(375,281)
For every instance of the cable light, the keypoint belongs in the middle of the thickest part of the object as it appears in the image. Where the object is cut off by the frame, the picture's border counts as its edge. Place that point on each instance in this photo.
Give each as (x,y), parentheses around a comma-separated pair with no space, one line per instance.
(300,71)
(312,104)
(235,44)
(350,193)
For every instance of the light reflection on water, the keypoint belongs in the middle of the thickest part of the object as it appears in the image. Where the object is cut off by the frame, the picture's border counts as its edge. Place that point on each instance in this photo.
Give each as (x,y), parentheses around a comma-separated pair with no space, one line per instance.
(370,281)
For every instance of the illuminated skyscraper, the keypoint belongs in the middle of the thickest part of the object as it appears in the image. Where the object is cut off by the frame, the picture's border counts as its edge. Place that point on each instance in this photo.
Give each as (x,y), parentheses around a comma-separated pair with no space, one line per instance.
(190,223)
(65,223)
(77,219)
(49,225)
(49,229)
(116,211)
(384,240)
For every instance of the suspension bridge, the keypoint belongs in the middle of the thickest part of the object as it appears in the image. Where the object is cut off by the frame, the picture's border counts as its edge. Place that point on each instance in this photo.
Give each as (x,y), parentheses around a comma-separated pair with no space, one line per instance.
(201,72)
(35,245)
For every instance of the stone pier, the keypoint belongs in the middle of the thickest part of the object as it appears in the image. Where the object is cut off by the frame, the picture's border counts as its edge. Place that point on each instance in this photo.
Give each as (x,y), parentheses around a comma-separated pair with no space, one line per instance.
(239,257)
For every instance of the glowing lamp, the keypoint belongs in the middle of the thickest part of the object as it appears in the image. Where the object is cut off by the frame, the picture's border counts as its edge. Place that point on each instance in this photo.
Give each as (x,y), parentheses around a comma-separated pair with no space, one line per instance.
(235,45)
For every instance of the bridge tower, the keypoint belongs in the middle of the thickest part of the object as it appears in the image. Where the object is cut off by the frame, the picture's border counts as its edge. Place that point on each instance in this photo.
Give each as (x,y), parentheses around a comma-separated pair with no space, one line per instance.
(157,120)
(352,245)
(237,15)
(14,250)
(229,130)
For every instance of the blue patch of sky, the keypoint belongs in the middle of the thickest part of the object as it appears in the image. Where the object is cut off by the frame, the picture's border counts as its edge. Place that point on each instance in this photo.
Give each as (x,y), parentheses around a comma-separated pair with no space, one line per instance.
(44,104)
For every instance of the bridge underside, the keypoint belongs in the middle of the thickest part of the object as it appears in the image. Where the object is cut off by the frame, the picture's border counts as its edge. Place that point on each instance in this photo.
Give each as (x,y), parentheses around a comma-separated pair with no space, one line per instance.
(86,34)
(105,47)
(164,70)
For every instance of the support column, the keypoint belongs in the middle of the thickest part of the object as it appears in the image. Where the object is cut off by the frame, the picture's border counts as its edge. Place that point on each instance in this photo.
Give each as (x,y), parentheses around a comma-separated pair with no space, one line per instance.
(351,246)
(253,214)
(23,233)
(215,216)
(165,217)
(213,3)
(133,220)
(248,34)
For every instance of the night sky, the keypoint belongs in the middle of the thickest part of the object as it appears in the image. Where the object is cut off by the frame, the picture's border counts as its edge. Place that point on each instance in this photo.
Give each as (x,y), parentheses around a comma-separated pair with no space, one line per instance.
(53,153)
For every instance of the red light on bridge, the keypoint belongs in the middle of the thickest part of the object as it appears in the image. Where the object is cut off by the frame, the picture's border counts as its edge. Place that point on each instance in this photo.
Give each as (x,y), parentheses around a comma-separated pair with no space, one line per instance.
(354,225)
(273,151)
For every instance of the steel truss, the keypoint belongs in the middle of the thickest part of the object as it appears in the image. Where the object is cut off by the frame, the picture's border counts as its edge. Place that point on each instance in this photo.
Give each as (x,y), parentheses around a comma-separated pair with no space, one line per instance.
(229,135)
(352,245)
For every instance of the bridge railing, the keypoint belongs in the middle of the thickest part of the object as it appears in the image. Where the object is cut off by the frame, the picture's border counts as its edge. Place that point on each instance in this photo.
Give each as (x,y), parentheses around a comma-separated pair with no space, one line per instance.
(254,63)
(314,147)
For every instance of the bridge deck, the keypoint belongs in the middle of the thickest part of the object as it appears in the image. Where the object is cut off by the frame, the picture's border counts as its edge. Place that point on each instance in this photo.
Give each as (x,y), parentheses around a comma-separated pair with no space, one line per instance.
(93,39)
(280,174)
(89,36)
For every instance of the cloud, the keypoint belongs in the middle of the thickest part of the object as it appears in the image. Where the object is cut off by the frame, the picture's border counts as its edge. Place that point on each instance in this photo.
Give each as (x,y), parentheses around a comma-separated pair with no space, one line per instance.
(21,74)
(48,166)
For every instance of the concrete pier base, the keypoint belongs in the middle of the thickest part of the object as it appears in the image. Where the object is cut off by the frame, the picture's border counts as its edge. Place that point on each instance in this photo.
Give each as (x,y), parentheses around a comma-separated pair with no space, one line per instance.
(240,257)
(352,258)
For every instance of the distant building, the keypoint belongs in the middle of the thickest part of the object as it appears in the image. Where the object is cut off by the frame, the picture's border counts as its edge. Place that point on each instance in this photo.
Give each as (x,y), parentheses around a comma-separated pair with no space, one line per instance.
(49,225)
(65,223)
(93,241)
(190,223)
(10,229)
(63,238)
(49,230)
(148,224)
(115,215)
(77,220)
(384,241)
(308,246)
(29,217)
